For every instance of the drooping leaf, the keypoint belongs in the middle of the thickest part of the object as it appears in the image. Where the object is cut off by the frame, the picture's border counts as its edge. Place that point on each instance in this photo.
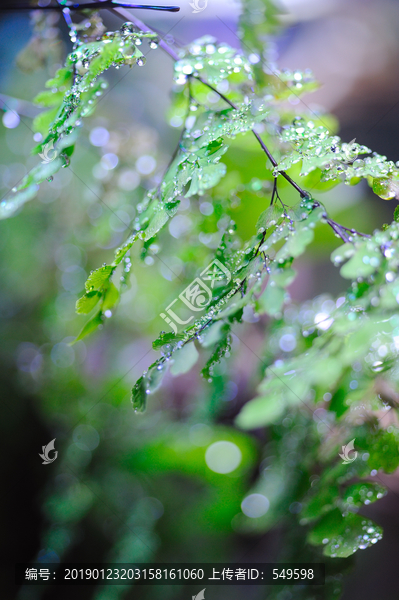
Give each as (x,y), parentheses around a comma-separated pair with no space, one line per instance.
(87,302)
(90,326)
(184,359)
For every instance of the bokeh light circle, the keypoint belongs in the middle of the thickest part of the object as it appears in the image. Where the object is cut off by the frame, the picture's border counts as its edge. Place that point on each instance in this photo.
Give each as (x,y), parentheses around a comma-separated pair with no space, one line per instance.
(255,505)
(86,437)
(223,457)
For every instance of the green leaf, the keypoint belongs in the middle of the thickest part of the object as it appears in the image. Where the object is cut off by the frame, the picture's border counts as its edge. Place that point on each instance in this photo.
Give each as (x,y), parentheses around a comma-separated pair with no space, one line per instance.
(325,370)
(260,412)
(41,123)
(157,222)
(269,217)
(49,98)
(235,307)
(62,78)
(283,277)
(343,253)
(73,99)
(90,326)
(98,278)
(362,264)
(121,252)
(167,338)
(386,189)
(156,373)
(229,122)
(184,359)
(317,149)
(111,298)
(139,396)
(41,172)
(213,334)
(205,177)
(296,244)
(383,447)
(318,504)
(212,60)
(221,348)
(87,302)
(147,384)
(363,493)
(343,536)
(272,300)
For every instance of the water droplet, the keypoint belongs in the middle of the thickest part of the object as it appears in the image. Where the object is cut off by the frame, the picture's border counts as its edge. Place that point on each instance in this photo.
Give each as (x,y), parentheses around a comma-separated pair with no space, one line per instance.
(126,28)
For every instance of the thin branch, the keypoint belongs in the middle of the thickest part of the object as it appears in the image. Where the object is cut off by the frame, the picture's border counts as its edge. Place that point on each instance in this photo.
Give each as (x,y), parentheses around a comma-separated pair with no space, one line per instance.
(338,230)
(105,4)
(351,230)
(266,150)
(274,192)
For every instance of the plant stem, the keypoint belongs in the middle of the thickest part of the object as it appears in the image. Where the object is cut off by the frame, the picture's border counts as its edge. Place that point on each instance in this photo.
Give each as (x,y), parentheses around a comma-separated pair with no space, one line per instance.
(126,15)
(351,230)
(274,191)
(104,5)
(261,142)
(338,229)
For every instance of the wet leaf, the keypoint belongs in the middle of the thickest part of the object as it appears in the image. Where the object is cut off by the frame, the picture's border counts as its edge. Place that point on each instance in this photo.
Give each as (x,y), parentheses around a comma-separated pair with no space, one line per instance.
(363,493)
(343,536)
(184,359)
(213,334)
(111,297)
(86,303)
(99,278)
(269,217)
